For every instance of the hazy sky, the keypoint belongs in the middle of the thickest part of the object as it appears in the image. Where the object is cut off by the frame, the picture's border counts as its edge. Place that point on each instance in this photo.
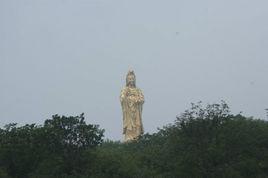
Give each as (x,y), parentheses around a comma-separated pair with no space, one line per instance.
(71,56)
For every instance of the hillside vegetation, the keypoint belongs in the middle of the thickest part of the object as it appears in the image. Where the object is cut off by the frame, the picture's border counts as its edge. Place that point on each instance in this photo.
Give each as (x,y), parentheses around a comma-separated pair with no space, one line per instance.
(203,142)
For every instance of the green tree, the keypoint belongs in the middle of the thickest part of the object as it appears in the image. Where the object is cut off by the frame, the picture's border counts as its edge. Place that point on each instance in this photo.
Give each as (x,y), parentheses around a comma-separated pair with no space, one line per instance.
(204,141)
(52,150)
(211,142)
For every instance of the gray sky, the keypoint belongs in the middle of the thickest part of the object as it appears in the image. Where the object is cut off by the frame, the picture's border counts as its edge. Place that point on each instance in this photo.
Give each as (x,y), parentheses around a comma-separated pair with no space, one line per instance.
(71,56)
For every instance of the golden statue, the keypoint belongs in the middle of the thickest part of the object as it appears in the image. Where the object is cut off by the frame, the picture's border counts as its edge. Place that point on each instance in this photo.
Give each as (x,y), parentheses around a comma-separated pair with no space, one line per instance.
(132,100)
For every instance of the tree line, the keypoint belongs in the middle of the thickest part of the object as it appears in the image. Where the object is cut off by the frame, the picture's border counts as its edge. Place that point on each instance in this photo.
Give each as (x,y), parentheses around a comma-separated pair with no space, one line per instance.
(203,142)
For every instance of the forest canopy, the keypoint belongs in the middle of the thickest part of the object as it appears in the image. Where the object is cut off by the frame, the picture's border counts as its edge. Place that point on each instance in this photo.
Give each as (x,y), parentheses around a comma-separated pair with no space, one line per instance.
(204,141)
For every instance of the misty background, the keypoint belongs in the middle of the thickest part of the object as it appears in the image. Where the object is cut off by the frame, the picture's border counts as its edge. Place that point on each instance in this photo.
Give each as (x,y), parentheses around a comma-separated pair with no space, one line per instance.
(67,57)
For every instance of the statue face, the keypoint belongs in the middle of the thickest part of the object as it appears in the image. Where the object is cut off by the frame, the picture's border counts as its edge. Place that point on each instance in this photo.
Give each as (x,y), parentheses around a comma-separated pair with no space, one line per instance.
(131,81)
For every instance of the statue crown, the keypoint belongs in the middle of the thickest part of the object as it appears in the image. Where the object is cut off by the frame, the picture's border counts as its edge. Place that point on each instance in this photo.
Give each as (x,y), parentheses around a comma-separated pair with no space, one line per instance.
(130,72)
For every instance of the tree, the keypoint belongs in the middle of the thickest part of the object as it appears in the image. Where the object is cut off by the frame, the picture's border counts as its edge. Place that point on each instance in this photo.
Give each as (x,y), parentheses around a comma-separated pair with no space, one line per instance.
(211,142)
(204,141)
(52,150)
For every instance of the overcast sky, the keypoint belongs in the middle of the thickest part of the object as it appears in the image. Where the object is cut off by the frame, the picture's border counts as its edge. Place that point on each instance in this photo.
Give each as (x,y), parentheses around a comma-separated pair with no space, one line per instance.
(71,56)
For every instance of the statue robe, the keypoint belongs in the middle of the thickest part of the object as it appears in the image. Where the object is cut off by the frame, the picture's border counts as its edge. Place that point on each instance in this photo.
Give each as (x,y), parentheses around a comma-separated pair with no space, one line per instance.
(132,100)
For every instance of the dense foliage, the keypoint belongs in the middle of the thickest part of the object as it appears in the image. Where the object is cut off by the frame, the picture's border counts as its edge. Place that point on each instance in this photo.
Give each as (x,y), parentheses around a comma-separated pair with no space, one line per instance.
(55,149)
(203,142)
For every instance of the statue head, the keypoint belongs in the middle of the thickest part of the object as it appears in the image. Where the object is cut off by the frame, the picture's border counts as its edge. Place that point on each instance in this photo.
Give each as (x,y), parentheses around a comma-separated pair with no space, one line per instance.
(131,79)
